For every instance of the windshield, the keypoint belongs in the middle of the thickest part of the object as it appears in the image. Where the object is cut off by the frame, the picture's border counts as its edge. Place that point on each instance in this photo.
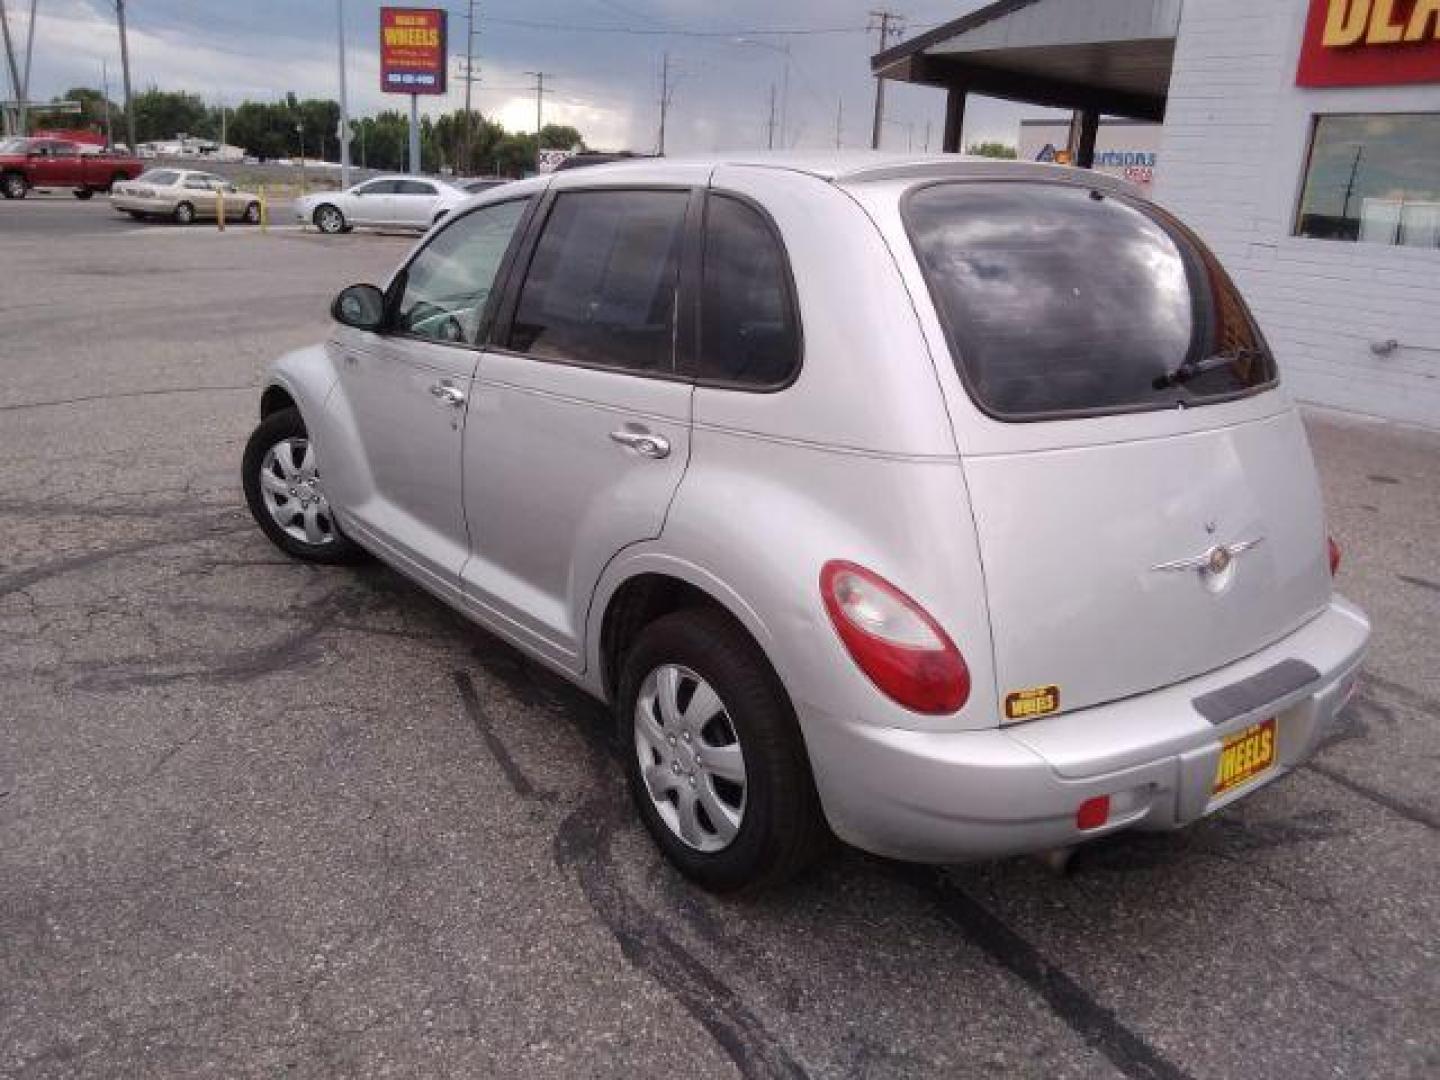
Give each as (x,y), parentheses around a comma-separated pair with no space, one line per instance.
(158,177)
(1062,300)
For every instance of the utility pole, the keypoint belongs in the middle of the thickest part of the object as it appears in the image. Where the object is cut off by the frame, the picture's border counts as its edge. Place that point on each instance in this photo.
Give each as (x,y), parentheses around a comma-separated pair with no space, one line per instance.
(344,132)
(664,101)
(10,63)
(125,70)
(890,25)
(25,77)
(462,163)
(770,139)
(540,77)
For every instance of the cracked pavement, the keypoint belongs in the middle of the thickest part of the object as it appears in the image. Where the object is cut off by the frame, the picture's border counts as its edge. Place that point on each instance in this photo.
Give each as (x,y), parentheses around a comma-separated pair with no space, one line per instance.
(264,819)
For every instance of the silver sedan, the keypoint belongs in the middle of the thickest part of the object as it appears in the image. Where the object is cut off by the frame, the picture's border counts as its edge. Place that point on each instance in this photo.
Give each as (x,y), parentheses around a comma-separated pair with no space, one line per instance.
(395,202)
(184,196)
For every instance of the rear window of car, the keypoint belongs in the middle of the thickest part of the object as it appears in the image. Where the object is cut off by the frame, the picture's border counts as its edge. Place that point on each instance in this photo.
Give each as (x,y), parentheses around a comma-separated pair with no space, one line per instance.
(1061,300)
(158,177)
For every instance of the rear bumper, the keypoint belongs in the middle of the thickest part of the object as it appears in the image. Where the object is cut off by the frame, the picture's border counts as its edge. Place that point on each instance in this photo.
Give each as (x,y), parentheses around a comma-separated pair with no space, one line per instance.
(947,797)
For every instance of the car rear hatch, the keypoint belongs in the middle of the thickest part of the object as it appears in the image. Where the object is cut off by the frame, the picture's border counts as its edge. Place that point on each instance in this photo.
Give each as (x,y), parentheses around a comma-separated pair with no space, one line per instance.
(1150,511)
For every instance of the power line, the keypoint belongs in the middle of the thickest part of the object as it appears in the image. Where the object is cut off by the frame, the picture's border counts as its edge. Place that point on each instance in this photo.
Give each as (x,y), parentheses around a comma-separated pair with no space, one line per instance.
(661,31)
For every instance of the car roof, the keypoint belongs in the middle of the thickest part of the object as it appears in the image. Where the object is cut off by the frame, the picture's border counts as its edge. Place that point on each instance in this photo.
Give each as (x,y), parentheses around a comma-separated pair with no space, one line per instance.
(844,166)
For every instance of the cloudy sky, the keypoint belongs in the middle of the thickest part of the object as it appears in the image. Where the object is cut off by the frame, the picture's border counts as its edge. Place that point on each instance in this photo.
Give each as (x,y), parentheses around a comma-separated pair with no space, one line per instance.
(602,57)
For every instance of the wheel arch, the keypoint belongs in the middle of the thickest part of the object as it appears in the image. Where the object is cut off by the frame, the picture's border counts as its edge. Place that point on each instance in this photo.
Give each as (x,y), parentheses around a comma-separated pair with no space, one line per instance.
(641,589)
(274,398)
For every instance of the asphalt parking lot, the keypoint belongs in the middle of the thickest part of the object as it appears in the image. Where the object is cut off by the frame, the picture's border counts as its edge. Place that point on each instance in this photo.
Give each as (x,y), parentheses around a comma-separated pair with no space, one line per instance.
(265,819)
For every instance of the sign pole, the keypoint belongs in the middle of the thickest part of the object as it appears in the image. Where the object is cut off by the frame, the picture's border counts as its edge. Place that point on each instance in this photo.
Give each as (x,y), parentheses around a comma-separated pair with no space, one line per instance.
(414,134)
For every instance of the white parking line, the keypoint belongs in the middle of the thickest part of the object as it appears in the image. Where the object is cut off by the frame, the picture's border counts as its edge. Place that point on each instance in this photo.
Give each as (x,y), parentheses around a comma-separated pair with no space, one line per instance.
(161,229)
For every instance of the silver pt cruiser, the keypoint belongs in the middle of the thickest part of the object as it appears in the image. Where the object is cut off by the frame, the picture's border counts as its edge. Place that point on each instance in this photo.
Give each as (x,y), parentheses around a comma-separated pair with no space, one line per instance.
(954,507)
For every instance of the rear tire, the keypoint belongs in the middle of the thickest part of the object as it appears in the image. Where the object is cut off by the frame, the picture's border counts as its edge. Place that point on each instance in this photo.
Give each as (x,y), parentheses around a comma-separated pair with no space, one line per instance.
(781,828)
(329,220)
(282,484)
(184,214)
(252,214)
(13,186)
(84,194)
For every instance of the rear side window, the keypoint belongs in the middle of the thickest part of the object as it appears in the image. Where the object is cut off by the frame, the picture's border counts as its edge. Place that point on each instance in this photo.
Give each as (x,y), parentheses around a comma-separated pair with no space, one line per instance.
(749,333)
(414,187)
(601,286)
(1061,300)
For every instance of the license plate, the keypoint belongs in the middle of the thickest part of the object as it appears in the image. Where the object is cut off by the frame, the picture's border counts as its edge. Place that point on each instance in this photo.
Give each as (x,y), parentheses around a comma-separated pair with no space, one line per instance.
(1245,756)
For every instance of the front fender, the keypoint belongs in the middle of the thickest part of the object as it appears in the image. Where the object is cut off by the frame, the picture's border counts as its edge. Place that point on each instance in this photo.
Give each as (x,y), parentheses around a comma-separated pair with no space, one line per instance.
(307,375)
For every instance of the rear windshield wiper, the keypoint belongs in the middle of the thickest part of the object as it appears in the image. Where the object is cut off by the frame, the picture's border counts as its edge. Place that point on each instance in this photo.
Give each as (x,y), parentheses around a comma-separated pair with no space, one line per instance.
(1194,368)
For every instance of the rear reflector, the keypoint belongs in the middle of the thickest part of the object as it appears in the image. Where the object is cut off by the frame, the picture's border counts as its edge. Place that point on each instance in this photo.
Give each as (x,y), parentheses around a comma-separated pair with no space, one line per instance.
(1093,813)
(1334,556)
(894,641)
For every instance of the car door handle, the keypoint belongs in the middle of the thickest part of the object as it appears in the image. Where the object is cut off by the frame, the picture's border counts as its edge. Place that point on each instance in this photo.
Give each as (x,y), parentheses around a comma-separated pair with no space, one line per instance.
(450,395)
(642,442)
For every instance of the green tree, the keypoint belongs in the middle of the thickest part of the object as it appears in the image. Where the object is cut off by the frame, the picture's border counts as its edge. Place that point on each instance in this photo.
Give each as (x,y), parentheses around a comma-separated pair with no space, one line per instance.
(92,109)
(560,137)
(992,150)
(164,114)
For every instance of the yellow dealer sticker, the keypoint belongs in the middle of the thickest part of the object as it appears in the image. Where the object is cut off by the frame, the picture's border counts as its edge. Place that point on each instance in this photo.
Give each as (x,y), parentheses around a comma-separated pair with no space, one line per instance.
(1028,704)
(1245,756)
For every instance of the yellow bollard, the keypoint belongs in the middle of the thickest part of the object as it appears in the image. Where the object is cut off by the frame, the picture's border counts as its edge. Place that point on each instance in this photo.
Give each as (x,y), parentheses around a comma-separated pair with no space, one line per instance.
(264,210)
(220,209)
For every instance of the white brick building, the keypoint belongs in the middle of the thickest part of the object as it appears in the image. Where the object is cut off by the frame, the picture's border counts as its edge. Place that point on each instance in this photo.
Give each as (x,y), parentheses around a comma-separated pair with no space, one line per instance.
(1301,138)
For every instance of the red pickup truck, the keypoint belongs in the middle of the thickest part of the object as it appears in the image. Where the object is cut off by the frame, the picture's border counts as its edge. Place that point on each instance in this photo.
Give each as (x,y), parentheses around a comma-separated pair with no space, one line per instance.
(56,163)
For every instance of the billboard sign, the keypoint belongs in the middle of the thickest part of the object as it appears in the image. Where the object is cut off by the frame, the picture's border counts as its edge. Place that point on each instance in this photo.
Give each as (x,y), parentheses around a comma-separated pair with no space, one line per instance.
(1371,43)
(412,50)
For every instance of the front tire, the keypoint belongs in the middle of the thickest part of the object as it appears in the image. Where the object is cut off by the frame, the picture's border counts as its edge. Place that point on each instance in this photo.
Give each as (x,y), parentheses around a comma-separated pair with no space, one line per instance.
(184,214)
(329,220)
(282,488)
(252,214)
(714,755)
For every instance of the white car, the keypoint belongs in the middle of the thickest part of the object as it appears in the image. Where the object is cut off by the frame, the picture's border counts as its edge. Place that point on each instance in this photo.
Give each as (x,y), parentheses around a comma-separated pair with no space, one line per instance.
(395,202)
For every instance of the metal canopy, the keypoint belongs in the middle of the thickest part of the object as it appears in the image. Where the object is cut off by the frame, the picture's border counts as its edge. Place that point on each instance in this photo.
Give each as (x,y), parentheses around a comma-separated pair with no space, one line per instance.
(1102,56)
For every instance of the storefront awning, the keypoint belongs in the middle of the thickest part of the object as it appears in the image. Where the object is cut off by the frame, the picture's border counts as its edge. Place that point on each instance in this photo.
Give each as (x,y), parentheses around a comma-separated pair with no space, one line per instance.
(1093,56)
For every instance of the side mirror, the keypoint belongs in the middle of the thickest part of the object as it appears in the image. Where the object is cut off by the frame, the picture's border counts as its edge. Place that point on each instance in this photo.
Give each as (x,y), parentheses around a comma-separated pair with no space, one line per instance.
(360,306)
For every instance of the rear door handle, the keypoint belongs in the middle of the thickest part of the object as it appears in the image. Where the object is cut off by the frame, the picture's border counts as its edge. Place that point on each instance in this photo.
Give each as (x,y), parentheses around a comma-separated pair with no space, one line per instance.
(450,395)
(642,442)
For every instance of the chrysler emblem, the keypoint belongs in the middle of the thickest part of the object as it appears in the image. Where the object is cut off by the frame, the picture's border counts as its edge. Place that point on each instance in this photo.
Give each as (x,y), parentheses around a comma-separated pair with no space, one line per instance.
(1215,562)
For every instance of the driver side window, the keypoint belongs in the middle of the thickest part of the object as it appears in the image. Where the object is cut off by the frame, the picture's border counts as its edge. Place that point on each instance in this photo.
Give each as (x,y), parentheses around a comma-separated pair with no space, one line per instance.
(447,286)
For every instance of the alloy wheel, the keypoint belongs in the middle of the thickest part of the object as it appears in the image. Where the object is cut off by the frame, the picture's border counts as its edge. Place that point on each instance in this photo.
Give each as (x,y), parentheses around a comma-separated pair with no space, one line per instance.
(690,757)
(329,219)
(290,486)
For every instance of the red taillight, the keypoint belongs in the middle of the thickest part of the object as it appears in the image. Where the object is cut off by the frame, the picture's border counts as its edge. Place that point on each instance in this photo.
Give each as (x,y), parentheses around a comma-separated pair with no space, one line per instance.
(895,642)
(1093,813)
(1334,556)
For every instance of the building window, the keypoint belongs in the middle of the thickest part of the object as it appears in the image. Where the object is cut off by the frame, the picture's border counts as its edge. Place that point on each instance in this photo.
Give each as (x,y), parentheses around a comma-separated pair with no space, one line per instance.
(1375,179)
